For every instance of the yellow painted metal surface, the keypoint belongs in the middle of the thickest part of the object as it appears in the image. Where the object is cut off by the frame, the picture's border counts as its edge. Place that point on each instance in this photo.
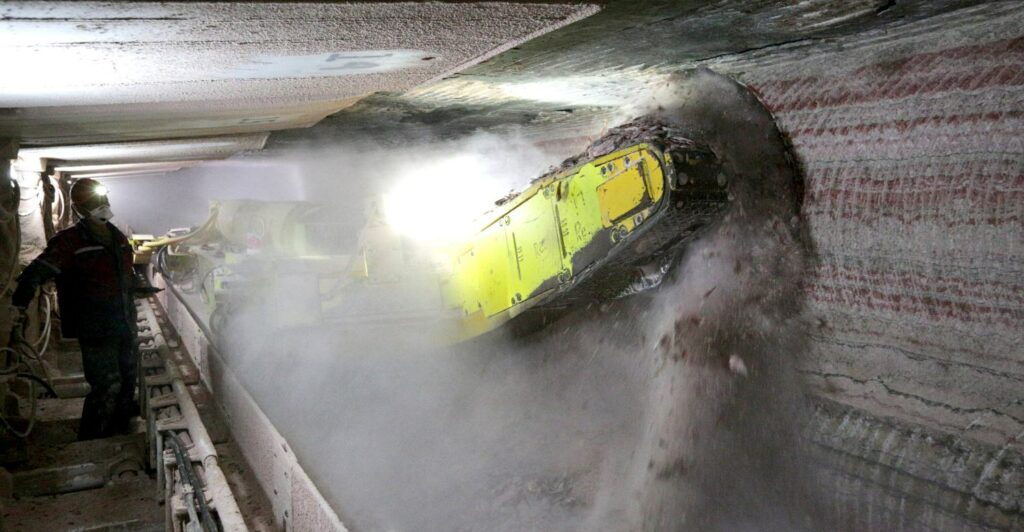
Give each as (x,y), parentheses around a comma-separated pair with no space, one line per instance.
(551,233)
(621,194)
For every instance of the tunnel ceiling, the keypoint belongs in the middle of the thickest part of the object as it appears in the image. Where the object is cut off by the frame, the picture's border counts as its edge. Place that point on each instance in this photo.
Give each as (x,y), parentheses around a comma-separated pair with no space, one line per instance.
(90,72)
(208,69)
(579,75)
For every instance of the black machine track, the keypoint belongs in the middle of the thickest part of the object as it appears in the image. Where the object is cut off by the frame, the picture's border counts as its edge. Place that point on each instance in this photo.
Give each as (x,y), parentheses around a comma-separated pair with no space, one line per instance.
(698,199)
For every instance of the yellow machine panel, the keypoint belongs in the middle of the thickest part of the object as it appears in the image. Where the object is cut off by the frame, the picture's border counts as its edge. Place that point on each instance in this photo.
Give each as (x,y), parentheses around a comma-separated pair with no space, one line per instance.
(551,233)
(622,193)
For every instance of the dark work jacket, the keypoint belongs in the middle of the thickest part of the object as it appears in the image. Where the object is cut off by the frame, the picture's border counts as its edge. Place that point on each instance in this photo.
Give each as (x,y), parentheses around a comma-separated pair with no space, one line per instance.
(95,284)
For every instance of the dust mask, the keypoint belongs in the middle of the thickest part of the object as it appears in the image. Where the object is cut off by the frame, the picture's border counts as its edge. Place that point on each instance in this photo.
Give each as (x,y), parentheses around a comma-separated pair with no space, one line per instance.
(101,213)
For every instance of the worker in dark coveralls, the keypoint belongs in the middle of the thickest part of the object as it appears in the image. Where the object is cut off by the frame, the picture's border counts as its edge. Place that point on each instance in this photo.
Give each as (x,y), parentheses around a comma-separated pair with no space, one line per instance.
(96,285)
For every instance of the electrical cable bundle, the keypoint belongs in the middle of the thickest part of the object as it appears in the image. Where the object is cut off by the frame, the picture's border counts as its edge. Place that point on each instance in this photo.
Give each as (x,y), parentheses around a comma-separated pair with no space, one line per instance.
(160,248)
(160,262)
(18,364)
(35,205)
(189,477)
(59,200)
(8,213)
(43,342)
(175,239)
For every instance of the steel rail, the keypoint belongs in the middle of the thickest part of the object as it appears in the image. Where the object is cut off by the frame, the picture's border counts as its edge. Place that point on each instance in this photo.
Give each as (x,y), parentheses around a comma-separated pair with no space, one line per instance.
(202,450)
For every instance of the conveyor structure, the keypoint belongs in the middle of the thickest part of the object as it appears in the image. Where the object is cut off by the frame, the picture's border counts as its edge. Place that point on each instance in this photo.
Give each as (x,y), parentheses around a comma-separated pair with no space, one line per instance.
(195,492)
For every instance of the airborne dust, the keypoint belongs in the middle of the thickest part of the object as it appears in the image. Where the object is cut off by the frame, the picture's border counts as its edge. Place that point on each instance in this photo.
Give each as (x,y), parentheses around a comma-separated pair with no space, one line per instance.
(671,410)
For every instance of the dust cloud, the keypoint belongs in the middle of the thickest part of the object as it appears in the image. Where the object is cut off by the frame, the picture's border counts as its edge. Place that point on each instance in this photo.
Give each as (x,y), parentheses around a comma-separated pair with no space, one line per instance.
(678,409)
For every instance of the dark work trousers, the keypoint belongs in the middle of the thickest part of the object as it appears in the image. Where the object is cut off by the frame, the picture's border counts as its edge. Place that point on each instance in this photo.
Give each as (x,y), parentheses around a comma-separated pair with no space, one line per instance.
(110,370)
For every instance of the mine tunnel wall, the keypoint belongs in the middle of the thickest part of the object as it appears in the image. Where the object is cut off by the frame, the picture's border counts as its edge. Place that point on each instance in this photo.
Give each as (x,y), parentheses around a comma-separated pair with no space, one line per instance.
(911,142)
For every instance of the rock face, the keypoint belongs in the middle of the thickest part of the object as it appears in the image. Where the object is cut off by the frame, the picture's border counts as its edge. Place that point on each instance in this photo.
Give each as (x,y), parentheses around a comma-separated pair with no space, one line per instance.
(910,144)
(721,449)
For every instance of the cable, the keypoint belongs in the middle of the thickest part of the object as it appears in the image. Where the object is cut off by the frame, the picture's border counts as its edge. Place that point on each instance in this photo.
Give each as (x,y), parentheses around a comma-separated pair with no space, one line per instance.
(185,467)
(167,240)
(160,258)
(31,376)
(58,198)
(30,352)
(161,266)
(7,211)
(46,385)
(44,334)
(36,203)
(196,317)
(17,234)
(219,318)
(207,294)
(12,368)
(32,413)
(58,202)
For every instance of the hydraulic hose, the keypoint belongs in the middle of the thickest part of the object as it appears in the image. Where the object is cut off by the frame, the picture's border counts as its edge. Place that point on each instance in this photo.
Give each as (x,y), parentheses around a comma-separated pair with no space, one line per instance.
(35,204)
(5,215)
(189,475)
(32,412)
(9,213)
(160,262)
(58,200)
(42,382)
(14,369)
(14,366)
(44,334)
(208,275)
(168,240)
(196,317)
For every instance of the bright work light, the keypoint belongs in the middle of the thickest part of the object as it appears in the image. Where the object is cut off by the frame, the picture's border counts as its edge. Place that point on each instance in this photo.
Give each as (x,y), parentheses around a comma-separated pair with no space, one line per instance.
(437,202)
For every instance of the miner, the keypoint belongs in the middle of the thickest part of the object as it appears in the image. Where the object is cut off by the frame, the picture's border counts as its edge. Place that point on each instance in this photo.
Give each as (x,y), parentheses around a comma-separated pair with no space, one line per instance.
(96,284)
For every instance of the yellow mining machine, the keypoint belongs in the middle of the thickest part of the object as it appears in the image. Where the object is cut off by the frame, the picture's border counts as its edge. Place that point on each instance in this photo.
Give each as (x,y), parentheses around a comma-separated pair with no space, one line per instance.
(249,253)
(604,228)
(606,224)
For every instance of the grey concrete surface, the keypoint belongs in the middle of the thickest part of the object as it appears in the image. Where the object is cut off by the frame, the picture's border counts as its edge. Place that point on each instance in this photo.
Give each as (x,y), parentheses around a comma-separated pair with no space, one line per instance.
(152,151)
(81,72)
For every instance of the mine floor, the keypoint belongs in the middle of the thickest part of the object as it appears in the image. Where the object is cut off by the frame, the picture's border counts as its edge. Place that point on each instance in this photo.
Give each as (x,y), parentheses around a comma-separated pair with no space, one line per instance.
(51,481)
